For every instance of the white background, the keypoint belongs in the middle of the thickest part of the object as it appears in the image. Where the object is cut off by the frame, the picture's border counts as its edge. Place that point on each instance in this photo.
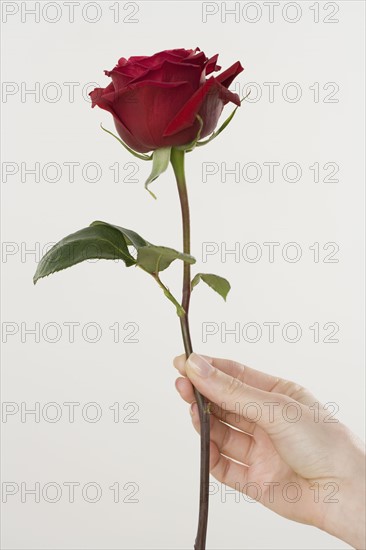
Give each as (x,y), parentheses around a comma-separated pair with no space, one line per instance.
(160,452)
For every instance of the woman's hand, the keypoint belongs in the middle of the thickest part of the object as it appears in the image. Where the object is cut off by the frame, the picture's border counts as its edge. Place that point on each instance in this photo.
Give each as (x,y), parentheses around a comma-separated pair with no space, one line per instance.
(272,440)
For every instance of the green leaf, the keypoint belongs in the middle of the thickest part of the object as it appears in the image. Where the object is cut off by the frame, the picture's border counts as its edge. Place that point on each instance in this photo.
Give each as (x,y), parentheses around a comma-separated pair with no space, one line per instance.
(130,236)
(219,284)
(157,258)
(102,240)
(140,156)
(99,241)
(161,159)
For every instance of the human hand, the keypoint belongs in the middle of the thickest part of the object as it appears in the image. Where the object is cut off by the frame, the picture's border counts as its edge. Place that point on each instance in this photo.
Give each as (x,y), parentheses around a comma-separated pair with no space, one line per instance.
(293,457)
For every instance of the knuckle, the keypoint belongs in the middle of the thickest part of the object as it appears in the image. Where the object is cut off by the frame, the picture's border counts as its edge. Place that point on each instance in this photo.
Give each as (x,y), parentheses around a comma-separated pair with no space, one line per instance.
(214,466)
(225,444)
(234,387)
(296,391)
(290,389)
(225,471)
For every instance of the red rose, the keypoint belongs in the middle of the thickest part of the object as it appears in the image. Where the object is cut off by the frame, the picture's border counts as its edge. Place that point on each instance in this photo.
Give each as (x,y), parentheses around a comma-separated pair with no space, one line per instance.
(154,100)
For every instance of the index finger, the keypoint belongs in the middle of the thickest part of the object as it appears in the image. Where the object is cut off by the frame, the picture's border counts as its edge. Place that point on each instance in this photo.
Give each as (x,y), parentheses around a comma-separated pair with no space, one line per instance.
(255,378)
(245,374)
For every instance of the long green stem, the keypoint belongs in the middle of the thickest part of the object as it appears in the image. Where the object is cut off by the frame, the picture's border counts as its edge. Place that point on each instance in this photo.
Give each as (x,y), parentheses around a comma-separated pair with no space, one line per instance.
(177,160)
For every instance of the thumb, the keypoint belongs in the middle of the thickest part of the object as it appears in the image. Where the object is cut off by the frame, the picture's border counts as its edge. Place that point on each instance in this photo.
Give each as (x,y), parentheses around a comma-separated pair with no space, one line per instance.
(232,395)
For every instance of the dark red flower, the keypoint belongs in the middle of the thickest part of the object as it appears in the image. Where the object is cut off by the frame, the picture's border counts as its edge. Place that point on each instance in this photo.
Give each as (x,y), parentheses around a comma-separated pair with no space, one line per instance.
(154,99)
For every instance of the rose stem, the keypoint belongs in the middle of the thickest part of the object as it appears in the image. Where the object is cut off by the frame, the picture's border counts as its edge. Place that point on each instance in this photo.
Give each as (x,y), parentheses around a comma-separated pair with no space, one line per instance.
(177,160)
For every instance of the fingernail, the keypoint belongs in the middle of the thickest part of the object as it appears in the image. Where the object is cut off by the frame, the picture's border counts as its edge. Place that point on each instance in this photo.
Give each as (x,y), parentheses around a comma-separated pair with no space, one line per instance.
(199,365)
(193,408)
(178,361)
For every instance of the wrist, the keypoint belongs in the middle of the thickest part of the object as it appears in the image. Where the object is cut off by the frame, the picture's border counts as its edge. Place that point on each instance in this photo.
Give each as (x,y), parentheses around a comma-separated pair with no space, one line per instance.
(345,518)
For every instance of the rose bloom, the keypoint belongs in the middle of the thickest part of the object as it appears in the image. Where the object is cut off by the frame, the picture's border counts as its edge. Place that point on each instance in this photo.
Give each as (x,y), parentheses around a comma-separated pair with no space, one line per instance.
(155,99)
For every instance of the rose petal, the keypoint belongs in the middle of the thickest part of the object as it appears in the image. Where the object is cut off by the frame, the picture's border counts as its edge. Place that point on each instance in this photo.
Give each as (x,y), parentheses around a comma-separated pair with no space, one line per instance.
(211,65)
(170,71)
(228,76)
(155,99)
(130,139)
(123,74)
(104,99)
(196,59)
(120,79)
(148,106)
(150,62)
(208,99)
(98,94)
(128,72)
(121,62)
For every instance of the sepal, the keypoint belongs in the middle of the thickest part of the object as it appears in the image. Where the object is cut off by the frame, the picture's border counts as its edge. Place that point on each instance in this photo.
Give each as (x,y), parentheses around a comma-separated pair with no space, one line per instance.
(160,158)
(140,156)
